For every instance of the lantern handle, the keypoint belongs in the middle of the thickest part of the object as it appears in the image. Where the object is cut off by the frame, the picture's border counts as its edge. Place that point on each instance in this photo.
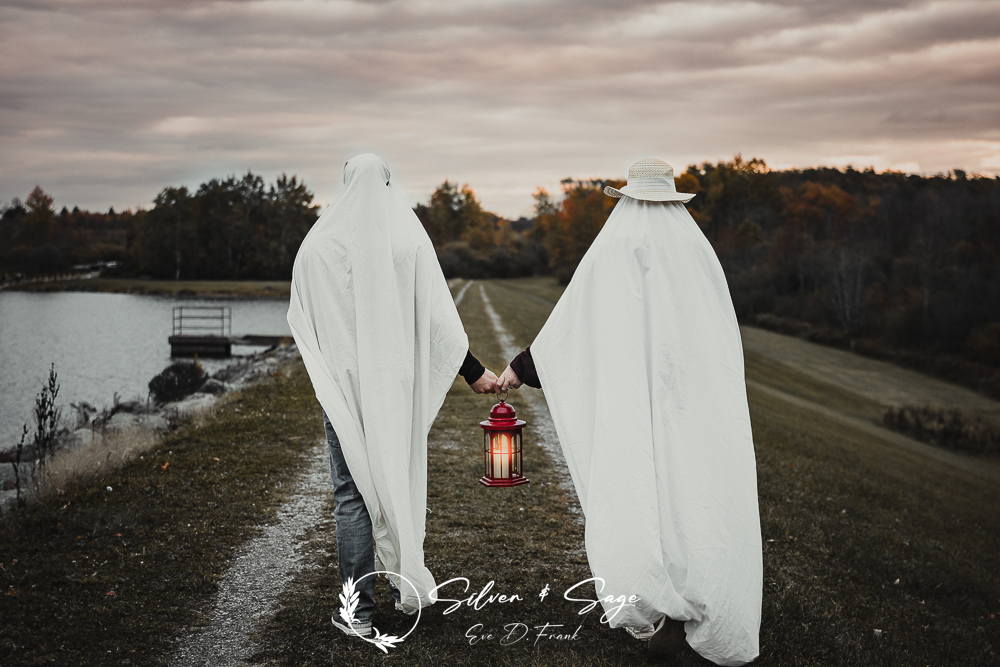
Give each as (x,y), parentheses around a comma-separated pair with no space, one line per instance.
(504,398)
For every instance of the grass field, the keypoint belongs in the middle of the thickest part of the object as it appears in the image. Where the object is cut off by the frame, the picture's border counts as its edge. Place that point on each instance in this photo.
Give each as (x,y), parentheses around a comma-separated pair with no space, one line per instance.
(108,577)
(850,382)
(875,552)
(227,288)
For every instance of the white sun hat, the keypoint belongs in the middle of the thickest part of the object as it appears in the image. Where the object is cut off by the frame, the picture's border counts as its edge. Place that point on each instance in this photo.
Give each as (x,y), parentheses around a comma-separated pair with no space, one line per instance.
(650,180)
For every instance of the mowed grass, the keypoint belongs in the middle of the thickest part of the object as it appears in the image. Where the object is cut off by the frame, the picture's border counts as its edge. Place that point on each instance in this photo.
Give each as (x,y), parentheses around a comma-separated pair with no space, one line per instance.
(522,539)
(838,374)
(785,377)
(873,554)
(99,577)
(219,288)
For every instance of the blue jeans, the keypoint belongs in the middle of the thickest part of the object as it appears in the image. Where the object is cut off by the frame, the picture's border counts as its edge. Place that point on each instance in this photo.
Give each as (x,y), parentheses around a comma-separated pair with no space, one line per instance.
(355,549)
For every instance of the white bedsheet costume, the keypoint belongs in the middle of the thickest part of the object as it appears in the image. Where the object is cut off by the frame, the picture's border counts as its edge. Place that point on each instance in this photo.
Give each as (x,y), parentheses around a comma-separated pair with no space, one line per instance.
(642,367)
(381,338)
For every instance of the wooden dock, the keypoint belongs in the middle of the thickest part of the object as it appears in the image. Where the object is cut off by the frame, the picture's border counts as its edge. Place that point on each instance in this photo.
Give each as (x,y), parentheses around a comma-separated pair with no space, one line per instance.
(206,331)
(217,347)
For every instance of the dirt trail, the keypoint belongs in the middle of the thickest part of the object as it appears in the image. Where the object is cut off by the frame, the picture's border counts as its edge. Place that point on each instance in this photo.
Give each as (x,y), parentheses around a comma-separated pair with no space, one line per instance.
(260,573)
(461,292)
(541,420)
(249,590)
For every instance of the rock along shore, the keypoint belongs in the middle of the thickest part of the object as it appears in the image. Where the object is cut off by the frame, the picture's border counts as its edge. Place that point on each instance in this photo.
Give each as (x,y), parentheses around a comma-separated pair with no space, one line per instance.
(140,423)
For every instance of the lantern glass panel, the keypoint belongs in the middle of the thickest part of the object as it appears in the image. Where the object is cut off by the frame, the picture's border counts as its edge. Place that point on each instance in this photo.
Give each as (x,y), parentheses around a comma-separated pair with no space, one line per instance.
(516,454)
(487,460)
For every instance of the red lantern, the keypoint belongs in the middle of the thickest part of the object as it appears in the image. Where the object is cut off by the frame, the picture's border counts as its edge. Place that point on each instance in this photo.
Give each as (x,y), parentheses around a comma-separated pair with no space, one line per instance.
(502,447)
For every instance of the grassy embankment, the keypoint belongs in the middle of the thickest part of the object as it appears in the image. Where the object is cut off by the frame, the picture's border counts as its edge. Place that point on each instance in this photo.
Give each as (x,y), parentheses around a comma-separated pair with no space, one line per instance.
(95,577)
(210,288)
(874,554)
(845,513)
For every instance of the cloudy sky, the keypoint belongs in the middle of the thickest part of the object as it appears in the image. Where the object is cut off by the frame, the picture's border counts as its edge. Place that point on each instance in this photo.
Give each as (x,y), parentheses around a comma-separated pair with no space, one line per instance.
(105,102)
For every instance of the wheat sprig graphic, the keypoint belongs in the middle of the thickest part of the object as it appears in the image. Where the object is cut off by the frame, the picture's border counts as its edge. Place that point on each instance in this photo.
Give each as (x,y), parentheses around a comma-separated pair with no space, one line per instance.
(349,601)
(349,597)
(384,642)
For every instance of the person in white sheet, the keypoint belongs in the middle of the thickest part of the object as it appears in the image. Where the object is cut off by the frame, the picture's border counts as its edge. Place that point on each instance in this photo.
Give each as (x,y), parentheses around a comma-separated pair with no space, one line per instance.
(382,341)
(641,362)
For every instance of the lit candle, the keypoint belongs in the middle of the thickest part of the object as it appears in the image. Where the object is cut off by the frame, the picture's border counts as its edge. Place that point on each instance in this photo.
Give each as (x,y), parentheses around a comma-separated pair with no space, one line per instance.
(501,457)
(505,456)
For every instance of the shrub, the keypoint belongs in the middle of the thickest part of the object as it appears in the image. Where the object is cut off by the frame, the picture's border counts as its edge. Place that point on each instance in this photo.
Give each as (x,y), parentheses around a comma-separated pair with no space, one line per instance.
(945,428)
(458,260)
(44,441)
(178,380)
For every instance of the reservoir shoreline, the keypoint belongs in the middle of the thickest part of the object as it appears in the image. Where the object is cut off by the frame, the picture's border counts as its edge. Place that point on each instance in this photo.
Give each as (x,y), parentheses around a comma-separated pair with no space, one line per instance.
(103,343)
(233,289)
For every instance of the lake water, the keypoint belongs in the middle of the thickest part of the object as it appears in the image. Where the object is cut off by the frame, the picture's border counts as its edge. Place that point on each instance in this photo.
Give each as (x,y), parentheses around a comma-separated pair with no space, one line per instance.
(100,344)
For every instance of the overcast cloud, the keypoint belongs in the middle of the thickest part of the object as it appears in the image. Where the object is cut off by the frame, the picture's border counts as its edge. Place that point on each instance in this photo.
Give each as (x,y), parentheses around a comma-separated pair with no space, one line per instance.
(105,102)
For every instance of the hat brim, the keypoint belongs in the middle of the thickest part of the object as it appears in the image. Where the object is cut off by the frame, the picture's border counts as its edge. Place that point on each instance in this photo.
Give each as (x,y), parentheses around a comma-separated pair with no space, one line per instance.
(649,195)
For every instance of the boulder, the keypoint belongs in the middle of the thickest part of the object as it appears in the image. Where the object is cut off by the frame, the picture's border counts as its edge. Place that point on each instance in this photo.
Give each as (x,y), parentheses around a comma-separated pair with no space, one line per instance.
(189,406)
(215,387)
(123,420)
(155,422)
(134,407)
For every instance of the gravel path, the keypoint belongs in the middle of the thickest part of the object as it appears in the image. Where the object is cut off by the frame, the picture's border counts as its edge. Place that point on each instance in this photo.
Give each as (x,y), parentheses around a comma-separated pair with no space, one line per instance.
(461,292)
(250,589)
(540,419)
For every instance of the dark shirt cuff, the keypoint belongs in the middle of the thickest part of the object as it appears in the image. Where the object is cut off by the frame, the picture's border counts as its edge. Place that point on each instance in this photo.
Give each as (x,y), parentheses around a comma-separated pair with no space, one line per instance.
(524,366)
(471,369)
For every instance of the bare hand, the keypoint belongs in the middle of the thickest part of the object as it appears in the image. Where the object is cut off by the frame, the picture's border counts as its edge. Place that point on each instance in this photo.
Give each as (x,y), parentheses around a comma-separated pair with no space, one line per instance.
(508,380)
(486,384)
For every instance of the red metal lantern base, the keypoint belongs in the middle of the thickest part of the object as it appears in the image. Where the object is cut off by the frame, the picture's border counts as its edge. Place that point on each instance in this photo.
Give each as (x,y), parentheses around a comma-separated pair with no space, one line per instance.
(486,481)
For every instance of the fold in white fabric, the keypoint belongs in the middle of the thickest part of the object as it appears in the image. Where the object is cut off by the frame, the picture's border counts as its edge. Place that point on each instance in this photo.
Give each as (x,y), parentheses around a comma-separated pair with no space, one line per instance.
(642,367)
(382,341)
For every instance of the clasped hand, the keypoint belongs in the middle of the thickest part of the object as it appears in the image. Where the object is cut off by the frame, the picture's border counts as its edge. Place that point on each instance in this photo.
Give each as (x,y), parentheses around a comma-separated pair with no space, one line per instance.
(486,384)
(489,383)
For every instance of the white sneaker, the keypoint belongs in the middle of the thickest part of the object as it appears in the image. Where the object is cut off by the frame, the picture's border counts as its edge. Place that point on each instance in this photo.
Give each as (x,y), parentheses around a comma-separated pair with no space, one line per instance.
(401,608)
(357,627)
(642,633)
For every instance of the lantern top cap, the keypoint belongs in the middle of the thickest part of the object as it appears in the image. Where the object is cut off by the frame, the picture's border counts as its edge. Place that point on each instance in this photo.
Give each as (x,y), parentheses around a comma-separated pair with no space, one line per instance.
(503,412)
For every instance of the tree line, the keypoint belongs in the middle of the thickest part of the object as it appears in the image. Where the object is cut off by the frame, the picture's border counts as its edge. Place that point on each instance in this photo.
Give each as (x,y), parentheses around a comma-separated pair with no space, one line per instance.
(893,265)
(230,228)
(35,240)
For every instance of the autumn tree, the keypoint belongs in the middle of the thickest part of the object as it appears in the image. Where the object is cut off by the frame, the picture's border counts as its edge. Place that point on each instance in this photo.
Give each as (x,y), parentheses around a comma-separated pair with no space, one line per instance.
(730,193)
(570,227)
(39,219)
(454,214)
